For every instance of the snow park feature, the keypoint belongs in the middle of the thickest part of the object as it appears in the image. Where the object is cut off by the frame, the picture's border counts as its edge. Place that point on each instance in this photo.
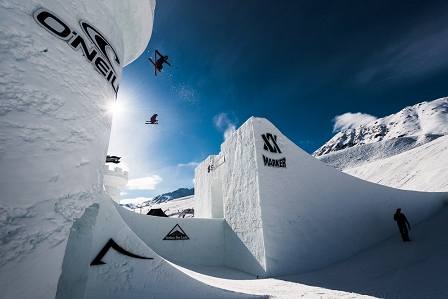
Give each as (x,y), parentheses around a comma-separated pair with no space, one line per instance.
(262,207)
(114,181)
(149,275)
(291,212)
(61,68)
(64,236)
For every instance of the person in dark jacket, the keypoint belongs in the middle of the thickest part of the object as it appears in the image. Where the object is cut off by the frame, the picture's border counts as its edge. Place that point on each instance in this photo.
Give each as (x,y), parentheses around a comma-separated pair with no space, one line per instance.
(154,119)
(401,222)
(161,61)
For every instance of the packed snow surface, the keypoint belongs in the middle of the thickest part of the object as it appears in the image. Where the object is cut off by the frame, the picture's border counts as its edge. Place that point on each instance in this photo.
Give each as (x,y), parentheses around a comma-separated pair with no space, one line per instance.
(391,269)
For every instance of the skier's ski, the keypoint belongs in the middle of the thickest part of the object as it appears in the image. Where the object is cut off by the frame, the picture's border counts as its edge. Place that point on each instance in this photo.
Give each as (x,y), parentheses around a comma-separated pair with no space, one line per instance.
(155,66)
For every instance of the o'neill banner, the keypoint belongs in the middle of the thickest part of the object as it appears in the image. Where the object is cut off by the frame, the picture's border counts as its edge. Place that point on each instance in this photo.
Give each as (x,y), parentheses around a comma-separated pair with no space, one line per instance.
(270,145)
(98,54)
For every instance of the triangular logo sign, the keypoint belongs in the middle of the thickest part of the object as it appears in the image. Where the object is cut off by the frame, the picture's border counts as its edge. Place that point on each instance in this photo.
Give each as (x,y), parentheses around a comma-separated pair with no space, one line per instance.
(176,234)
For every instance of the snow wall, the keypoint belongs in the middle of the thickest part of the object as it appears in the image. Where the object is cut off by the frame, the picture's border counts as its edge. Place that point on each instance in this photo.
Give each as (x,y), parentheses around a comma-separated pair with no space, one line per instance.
(61,68)
(292,212)
(208,242)
(148,275)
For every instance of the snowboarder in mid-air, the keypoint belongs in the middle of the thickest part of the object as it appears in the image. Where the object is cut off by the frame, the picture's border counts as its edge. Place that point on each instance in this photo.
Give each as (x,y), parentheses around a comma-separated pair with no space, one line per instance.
(153,120)
(112,159)
(401,222)
(158,64)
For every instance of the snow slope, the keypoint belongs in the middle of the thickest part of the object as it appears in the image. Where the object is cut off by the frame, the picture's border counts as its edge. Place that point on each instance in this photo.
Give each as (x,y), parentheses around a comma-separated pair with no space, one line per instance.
(420,123)
(365,153)
(296,214)
(390,269)
(424,168)
(125,277)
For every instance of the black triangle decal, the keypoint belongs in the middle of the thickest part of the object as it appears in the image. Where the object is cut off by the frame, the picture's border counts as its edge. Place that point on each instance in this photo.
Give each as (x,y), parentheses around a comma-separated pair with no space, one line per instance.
(111,244)
(176,234)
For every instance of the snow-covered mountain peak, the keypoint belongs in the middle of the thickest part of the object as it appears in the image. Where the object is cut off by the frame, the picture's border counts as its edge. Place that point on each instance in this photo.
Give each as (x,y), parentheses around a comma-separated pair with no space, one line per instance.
(426,120)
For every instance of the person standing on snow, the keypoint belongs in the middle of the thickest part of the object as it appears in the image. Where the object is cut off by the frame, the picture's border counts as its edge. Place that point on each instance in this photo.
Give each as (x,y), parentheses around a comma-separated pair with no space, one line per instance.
(401,222)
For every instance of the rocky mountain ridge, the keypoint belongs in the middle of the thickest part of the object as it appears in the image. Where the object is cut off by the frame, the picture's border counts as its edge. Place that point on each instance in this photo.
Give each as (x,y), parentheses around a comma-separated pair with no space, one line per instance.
(424,121)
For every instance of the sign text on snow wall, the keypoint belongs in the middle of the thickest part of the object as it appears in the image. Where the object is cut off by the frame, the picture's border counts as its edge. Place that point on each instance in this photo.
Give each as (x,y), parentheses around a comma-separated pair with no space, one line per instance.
(270,144)
(99,54)
(176,234)
(217,164)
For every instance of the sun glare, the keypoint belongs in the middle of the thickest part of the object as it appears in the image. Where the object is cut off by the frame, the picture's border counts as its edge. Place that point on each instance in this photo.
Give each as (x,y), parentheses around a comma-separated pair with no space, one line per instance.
(115,108)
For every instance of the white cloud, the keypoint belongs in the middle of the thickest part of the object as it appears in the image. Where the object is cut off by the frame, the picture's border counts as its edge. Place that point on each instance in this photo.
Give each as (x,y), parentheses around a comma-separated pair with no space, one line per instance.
(191,164)
(230,129)
(223,123)
(135,201)
(351,120)
(146,183)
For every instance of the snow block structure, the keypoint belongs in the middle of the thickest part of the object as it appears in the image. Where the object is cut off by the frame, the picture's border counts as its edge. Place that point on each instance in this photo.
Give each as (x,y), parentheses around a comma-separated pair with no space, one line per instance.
(61,68)
(291,212)
(114,181)
(145,274)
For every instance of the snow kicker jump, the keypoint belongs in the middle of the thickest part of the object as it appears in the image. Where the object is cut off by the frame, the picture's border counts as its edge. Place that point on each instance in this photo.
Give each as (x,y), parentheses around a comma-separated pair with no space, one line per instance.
(292,212)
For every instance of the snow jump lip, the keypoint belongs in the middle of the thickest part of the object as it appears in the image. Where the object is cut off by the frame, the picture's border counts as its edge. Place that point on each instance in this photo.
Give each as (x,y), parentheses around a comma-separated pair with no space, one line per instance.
(325,210)
(299,214)
(123,273)
(321,218)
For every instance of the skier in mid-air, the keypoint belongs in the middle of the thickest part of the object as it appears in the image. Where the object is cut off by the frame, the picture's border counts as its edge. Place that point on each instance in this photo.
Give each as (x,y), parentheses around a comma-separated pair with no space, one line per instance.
(158,63)
(153,120)
(161,61)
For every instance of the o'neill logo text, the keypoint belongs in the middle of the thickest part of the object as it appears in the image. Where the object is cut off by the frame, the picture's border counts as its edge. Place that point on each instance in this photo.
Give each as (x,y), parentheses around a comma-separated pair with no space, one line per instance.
(101,54)
(270,144)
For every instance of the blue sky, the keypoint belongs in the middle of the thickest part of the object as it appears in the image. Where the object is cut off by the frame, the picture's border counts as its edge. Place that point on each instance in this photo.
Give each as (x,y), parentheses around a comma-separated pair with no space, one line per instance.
(310,67)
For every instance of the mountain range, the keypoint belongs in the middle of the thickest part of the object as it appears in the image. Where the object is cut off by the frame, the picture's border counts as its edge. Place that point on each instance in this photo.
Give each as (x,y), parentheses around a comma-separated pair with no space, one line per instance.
(411,127)
(181,192)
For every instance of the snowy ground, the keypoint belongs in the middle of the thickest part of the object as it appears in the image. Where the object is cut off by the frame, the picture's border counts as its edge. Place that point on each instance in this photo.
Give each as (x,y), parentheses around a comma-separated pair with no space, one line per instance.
(424,168)
(391,269)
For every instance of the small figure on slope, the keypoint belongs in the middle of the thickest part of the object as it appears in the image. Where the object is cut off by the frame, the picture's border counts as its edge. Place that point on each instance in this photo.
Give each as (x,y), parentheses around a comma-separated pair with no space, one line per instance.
(401,222)
(153,120)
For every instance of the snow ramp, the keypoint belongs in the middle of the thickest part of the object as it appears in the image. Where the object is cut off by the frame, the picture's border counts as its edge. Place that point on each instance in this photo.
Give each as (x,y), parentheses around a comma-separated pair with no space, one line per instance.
(292,212)
(126,267)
